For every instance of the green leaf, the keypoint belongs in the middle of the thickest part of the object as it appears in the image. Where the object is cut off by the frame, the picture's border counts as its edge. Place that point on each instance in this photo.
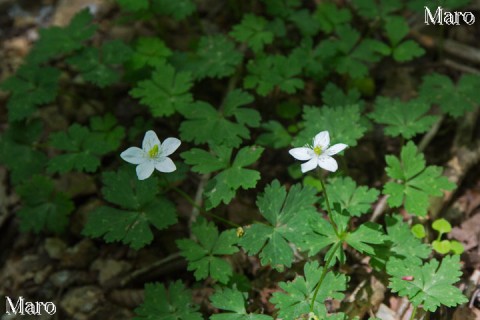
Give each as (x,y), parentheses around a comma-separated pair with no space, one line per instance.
(337,121)
(205,124)
(57,41)
(234,301)
(203,254)
(266,73)
(31,87)
(295,301)
(407,50)
(310,57)
(403,244)
(322,235)
(107,131)
(454,100)
(281,8)
(456,247)
(442,247)
(334,96)
(141,207)
(178,9)
(403,118)
(432,283)
(329,16)
(98,66)
(149,51)
(442,226)
(418,231)
(313,182)
(276,136)
(207,162)
(286,214)
(85,147)
(357,200)
(364,239)
(18,152)
(348,54)
(133,5)
(166,92)
(306,22)
(253,31)
(216,57)
(174,304)
(365,236)
(223,186)
(397,29)
(414,182)
(43,208)
(373,9)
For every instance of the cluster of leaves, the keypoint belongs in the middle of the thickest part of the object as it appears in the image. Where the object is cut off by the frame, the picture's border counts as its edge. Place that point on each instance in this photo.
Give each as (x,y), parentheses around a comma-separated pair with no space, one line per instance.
(442,226)
(413,181)
(85,146)
(201,254)
(140,206)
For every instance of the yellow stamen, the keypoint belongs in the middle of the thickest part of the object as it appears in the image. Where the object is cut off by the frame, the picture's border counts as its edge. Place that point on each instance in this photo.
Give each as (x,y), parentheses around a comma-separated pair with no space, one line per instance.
(317,150)
(240,232)
(153,152)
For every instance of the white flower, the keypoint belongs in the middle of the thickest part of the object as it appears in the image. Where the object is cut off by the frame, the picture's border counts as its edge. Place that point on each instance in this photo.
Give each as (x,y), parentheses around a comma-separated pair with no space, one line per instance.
(153,155)
(318,154)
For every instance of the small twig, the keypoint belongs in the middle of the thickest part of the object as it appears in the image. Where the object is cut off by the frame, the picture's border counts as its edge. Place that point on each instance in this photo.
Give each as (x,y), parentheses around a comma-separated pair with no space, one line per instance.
(452,47)
(379,208)
(475,296)
(428,137)
(198,198)
(404,304)
(137,273)
(460,67)
(460,50)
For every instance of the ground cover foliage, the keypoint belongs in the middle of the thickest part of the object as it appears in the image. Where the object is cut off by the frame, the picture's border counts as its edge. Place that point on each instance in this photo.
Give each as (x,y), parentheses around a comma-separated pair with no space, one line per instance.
(240,83)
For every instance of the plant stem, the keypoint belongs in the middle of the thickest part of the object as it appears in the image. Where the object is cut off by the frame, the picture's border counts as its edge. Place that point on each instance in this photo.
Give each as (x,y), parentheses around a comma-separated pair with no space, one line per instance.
(430,134)
(139,272)
(414,312)
(200,209)
(329,209)
(324,273)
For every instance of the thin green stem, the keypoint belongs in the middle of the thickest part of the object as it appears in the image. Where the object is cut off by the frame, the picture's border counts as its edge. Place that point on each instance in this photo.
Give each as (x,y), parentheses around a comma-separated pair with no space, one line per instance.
(329,209)
(414,312)
(200,209)
(324,273)
(439,236)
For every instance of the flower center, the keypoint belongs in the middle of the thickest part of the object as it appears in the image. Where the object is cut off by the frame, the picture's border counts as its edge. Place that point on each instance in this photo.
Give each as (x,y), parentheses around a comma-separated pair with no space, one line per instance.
(153,152)
(317,150)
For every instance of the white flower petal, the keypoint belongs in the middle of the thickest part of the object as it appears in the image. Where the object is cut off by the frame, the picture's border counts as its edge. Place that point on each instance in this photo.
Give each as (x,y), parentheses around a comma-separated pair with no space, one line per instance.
(133,155)
(335,149)
(145,170)
(301,153)
(169,146)
(322,140)
(150,140)
(327,163)
(309,165)
(165,165)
